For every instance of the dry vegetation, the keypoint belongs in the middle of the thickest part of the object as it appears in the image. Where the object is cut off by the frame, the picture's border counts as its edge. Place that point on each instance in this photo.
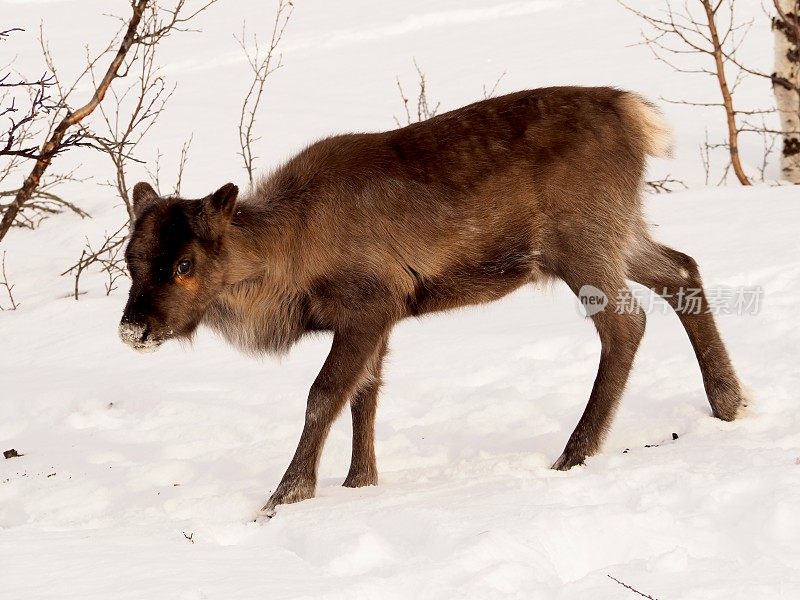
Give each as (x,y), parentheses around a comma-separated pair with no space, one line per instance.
(262,64)
(679,33)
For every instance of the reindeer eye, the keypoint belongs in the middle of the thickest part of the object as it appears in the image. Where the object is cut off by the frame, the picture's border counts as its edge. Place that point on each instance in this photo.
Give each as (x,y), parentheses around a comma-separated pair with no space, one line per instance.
(184,266)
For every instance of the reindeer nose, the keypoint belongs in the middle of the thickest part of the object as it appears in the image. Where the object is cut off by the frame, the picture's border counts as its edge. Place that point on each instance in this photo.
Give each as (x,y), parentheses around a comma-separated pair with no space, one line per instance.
(132,334)
(139,337)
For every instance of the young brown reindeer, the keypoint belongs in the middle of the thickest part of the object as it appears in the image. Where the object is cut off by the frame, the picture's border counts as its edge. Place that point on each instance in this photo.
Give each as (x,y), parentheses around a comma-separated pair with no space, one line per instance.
(360,231)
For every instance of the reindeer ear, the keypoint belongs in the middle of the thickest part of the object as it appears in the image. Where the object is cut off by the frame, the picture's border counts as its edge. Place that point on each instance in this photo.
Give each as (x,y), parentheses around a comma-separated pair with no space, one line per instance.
(223,200)
(143,196)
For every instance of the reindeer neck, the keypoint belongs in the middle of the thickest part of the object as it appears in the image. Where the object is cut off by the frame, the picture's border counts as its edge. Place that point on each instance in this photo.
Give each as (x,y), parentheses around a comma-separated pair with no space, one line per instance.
(256,243)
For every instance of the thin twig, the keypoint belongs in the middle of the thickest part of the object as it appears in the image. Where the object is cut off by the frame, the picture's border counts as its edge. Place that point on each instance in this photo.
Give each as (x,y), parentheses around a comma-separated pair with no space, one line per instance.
(182,164)
(424,111)
(665,185)
(9,288)
(44,202)
(107,257)
(631,588)
(490,93)
(262,67)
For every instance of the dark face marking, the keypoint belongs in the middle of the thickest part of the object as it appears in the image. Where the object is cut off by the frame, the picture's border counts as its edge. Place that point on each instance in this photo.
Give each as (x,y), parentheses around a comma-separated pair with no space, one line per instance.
(176,260)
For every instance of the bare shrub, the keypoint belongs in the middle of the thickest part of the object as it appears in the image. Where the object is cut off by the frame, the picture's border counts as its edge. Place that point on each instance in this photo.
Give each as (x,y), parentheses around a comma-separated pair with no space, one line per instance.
(712,31)
(155,172)
(126,119)
(148,24)
(490,92)
(107,259)
(665,185)
(422,110)
(423,106)
(27,105)
(262,66)
(7,286)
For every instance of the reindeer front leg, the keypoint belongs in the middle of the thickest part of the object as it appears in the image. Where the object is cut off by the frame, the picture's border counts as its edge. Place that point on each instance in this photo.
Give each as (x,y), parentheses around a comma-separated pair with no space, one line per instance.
(352,349)
(363,405)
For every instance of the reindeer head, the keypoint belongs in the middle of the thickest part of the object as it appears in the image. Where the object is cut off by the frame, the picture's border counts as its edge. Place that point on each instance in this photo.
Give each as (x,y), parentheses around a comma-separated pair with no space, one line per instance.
(177,260)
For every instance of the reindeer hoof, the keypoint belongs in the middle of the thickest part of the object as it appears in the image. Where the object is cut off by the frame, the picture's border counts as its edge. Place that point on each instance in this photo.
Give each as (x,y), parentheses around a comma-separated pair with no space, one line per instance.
(263,516)
(288,493)
(568,460)
(728,405)
(363,479)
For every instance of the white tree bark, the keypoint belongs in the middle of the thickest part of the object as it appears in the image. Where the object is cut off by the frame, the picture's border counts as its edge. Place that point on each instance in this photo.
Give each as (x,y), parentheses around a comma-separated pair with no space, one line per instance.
(786,83)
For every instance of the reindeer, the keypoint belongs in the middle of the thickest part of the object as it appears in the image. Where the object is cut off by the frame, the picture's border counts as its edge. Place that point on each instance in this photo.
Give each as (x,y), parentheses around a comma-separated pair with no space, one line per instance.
(359,231)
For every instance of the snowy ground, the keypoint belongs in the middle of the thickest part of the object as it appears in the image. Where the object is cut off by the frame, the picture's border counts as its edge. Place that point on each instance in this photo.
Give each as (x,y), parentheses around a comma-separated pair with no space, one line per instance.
(126,456)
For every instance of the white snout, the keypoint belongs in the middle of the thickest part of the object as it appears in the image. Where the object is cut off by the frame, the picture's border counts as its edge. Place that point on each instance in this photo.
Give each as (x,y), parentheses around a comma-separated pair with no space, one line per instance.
(133,335)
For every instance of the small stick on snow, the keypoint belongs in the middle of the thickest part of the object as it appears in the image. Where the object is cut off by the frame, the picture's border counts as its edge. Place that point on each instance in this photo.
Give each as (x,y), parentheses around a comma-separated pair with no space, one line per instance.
(631,588)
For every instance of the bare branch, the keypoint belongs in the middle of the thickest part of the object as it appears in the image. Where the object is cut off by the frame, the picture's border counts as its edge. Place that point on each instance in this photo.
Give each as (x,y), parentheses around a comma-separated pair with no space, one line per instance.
(490,93)
(133,111)
(54,143)
(154,173)
(147,24)
(715,35)
(262,67)
(631,588)
(404,98)
(182,164)
(167,21)
(691,103)
(17,140)
(108,258)
(6,32)
(424,111)
(705,158)
(665,185)
(128,118)
(42,204)
(769,140)
(4,282)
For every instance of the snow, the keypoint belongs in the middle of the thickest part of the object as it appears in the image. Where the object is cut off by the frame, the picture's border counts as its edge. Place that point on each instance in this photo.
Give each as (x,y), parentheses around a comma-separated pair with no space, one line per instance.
(141,474)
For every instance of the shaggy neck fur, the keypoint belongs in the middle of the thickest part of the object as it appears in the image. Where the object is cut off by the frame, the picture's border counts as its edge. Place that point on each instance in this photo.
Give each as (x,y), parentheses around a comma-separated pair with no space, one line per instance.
(260,310)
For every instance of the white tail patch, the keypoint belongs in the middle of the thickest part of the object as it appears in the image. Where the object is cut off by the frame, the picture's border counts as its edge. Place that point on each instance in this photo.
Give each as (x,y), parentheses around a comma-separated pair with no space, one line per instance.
(654,128)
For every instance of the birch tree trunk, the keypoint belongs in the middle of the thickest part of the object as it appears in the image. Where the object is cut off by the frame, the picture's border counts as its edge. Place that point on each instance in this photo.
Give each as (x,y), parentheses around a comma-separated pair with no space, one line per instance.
(786,83)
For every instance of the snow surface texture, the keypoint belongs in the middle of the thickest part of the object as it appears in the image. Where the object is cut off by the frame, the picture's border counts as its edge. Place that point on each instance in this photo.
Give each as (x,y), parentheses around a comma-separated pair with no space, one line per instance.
(140,474)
